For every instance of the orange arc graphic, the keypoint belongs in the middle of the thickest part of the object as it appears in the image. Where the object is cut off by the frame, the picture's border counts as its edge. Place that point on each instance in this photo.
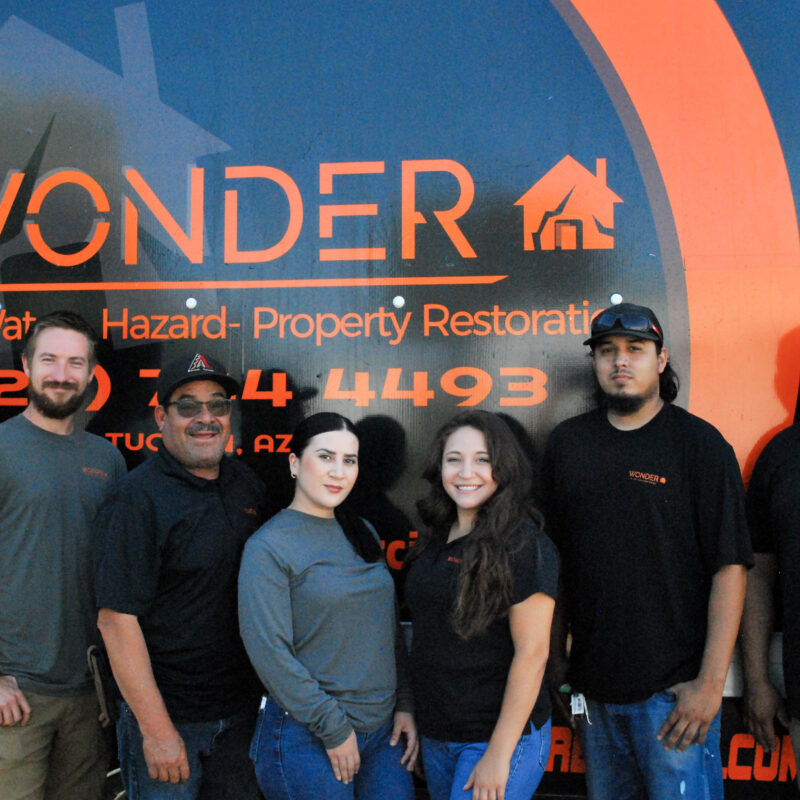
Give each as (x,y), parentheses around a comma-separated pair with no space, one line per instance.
(718,152)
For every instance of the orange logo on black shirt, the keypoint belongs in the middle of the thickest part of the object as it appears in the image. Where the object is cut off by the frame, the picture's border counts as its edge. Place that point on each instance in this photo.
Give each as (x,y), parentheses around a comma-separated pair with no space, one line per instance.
(646,477)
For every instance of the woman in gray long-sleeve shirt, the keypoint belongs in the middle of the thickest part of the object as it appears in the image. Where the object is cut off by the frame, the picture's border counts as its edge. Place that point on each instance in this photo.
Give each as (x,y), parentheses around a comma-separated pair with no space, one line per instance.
(317,615)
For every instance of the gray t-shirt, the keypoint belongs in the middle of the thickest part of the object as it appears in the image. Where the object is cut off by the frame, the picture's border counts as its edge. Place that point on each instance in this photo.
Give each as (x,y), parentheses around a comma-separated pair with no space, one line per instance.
(319,625)
(50,489)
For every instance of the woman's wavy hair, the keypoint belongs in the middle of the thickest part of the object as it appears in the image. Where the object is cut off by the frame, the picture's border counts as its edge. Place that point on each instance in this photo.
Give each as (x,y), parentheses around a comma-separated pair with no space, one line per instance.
(355,529)
(484,579)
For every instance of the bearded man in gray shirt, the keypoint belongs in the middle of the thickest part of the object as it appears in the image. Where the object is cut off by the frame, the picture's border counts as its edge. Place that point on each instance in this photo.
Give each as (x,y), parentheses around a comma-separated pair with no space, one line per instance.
(53,478)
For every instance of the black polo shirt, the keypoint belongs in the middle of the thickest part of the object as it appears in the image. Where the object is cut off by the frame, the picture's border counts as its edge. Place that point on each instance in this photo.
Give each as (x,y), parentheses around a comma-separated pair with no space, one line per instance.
(170,546)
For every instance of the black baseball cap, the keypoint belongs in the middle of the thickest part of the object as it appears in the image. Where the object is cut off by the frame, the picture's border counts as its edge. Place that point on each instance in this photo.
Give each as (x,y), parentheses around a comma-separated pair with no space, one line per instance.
(196,367)
(627,318)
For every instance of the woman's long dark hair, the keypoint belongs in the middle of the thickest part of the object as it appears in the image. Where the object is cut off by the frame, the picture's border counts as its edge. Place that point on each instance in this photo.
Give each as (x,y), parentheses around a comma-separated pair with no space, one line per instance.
(355,529)
(485,580)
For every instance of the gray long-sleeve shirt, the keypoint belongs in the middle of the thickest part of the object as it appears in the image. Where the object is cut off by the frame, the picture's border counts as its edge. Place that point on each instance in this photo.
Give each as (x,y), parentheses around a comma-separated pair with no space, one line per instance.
(319,625)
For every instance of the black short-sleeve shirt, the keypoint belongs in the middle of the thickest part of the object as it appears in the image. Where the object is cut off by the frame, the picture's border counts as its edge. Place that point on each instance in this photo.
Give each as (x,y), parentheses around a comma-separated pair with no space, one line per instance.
(643,520)
(459,685)
(773,512)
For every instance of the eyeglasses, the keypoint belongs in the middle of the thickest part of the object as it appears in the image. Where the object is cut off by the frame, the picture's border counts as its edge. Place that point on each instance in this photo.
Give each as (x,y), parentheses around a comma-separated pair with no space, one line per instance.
(219,407)
(627,321)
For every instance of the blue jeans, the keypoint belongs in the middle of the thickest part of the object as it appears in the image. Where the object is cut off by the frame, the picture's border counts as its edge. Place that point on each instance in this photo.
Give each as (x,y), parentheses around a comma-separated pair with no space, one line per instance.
(449,764)
(624,759)
(219,768)
(291,763)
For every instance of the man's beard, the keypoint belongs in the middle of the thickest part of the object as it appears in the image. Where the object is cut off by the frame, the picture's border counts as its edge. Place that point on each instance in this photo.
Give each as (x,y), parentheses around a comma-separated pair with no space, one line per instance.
(49,408)
(624,404)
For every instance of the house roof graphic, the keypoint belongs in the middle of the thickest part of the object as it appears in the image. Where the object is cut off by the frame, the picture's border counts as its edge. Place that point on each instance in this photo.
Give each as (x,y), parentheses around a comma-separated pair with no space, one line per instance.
(88,117)
(123,119)
(569,208)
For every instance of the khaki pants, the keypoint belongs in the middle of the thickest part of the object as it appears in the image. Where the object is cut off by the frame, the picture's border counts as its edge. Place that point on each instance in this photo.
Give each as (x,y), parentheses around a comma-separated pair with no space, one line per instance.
(61,754)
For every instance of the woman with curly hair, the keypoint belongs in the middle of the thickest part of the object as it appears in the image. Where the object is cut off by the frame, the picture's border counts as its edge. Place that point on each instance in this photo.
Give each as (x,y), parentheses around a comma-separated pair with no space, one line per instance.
(481,588)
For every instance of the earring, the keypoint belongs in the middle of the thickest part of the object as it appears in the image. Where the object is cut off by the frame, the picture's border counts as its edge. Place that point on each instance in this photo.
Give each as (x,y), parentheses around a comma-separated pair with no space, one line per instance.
(293,475)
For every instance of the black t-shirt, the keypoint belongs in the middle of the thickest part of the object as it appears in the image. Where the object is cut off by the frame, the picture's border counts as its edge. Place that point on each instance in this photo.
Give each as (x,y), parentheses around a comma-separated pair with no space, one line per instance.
(171,544)
(643,519)
(458,685)
(773,511)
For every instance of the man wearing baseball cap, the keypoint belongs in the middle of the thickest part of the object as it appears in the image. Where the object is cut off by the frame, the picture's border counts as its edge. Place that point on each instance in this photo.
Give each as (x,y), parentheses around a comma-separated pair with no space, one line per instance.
(645,502)
(172,534)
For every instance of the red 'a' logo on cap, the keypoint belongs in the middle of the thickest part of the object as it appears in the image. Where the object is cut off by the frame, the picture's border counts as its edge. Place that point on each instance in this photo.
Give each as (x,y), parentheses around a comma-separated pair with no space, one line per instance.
(199,363)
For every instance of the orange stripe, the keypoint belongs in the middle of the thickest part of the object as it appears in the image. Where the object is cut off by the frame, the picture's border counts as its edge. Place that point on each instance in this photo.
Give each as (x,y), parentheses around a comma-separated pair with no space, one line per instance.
(723,168)
(300,283)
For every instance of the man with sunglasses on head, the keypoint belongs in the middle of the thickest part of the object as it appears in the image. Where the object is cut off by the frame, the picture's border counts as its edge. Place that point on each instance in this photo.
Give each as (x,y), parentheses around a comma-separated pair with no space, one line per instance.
(645,502)
(172,535)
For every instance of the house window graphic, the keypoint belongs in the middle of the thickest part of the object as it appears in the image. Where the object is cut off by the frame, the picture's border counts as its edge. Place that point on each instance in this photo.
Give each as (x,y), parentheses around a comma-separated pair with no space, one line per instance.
(569,208)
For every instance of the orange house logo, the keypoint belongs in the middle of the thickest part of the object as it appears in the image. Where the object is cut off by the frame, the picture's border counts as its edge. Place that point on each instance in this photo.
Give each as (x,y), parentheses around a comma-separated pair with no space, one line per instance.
(570,208)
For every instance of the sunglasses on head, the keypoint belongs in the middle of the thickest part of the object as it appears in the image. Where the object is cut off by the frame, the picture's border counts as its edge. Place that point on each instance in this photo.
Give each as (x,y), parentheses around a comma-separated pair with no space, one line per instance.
(626,320)
(219,407)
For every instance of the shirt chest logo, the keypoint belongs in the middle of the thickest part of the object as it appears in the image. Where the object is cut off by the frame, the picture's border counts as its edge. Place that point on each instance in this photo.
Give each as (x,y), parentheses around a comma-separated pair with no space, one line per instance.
(95,472)
(649,478)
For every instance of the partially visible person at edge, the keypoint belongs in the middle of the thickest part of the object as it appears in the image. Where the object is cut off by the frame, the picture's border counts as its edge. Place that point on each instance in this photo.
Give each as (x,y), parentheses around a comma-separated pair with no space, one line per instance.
(53,477)
(318,618)
(481,587)
(171,537)
(773,512)
(645,503)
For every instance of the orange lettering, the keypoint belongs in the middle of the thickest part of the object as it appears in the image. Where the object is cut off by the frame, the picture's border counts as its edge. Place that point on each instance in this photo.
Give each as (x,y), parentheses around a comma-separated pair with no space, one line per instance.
(18,380)
(736,771)
(328,212)
(788,766)
(560,744)
(103,389)
(533,387)
(285,442)
(192,245)
(769,771)
(263,442)
(392,558)
(474,394)
(419,391)
(576,763)
(232,253)
(361,394)
(151,373)
(278,394)
(139,443)
(410,217)
(100,228)
(130,246)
